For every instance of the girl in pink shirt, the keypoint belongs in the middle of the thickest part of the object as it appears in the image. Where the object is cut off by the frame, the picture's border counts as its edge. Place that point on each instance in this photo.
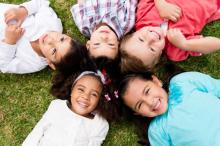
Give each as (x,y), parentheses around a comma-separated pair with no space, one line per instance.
(180,36)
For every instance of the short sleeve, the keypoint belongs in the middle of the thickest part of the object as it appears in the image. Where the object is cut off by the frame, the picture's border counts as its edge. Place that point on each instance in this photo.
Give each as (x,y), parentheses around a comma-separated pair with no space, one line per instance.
(190,81)
(83,21)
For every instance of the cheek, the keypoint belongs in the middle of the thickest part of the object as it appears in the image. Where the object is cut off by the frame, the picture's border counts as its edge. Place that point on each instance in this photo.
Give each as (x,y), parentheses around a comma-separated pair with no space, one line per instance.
(94,102)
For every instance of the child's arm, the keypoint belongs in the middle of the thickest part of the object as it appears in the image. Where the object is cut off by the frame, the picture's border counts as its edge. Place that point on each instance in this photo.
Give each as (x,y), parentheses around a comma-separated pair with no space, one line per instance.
(16,14)
(167,10)
(9,61)
(80,1)
(28,8)
(33,139)
(203,45)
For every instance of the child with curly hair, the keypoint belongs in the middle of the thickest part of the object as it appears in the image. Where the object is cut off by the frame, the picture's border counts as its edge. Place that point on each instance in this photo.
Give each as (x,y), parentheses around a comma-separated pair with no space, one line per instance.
(75,118)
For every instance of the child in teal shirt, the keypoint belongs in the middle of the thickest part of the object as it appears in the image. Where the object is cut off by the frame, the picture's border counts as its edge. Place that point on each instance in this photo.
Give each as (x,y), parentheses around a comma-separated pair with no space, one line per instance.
(188,115)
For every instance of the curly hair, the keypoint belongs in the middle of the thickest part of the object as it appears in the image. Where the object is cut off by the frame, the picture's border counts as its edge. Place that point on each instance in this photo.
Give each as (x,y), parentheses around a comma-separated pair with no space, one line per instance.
(112,108)
(62,87)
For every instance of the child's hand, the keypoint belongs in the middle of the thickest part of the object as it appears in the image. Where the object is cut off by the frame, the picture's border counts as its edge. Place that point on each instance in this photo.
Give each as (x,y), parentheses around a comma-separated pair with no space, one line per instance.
(16,14)
(176,37)
(167,10)
(80,1)
(12,34)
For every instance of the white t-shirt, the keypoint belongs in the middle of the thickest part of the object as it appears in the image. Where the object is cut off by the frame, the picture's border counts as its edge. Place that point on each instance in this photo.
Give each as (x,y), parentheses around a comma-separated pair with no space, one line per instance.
(21,58)
(59,126)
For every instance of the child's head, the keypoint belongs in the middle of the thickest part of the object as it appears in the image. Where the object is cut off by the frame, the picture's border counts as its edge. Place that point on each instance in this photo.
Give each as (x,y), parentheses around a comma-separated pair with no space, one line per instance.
(64,87)
(61,51)
(143,93)
(144,47)
(83,91)
(86,92)
(103,42)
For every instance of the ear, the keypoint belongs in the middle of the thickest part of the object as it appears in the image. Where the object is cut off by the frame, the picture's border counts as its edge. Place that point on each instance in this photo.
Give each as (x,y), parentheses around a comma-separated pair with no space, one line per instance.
(88,43)
(51,64)
(157,81)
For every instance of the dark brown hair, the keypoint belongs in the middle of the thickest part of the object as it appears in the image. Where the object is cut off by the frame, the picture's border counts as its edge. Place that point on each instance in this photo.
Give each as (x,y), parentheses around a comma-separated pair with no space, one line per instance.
(74,59)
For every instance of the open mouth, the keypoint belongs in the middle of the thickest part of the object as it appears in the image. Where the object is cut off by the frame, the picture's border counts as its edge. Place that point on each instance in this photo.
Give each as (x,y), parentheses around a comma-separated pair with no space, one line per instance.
(156,106)
(82,104)
(104,31)
(156,34)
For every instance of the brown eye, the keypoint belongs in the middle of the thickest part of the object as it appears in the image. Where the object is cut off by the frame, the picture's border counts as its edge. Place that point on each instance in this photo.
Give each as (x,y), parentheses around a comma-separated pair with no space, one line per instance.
(111,44)
(152,49)
(80,89)
(96,44)
(62,39)
(140,39)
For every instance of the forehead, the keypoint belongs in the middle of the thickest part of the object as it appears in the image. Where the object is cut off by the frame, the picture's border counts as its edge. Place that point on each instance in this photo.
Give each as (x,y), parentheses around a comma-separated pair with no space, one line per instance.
(62,50)
(89,81)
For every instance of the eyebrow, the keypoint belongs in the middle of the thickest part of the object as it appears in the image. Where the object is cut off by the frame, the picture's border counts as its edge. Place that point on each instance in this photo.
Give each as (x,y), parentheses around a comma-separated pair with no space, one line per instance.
(91,89)
(137,105)
(143,92)
(81,85)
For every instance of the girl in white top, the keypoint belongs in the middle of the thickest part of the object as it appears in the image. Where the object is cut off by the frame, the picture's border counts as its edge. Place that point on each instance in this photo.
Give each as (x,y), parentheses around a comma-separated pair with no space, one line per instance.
(31,38)
(75,121)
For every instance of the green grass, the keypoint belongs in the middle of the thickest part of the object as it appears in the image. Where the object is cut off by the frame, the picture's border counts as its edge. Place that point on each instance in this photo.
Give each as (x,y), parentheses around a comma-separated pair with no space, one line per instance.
(24,98)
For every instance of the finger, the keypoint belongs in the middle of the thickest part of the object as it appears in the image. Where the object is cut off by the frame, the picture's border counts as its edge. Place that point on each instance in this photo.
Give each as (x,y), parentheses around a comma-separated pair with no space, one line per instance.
(23,31)
(8,18)
(176,15)
(173,18)
(7,13)
(19,23)
(18,30)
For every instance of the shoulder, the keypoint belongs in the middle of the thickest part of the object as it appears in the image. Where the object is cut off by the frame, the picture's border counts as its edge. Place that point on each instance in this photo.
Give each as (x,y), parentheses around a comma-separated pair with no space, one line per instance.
(57,103)
(101,122)
(186,76)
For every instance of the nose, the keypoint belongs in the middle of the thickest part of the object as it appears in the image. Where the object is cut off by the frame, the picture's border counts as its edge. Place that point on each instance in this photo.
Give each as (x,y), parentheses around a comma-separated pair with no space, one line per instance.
(50,40)
(104,37)
(85,96)
(151,38)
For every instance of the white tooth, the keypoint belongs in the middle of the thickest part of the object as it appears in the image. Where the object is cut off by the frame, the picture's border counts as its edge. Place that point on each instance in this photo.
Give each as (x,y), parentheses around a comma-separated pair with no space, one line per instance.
(82,104)
(157,104)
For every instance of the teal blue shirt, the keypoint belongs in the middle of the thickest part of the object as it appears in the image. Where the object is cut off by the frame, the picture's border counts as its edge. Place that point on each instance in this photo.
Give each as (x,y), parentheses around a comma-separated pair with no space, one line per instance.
(193,115)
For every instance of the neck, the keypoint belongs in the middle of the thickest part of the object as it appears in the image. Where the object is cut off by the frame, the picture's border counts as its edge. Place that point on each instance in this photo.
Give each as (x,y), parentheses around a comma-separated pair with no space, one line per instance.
(36,47)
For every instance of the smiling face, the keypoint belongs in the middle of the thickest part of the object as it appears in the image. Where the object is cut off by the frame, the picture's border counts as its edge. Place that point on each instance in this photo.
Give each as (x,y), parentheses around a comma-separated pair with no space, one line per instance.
(103,42)
(85,95)
(146,44)
(54,46)
(146,98)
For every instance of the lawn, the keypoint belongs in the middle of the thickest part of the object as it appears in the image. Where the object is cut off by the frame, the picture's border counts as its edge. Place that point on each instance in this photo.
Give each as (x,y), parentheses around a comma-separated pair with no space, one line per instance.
(24,98)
